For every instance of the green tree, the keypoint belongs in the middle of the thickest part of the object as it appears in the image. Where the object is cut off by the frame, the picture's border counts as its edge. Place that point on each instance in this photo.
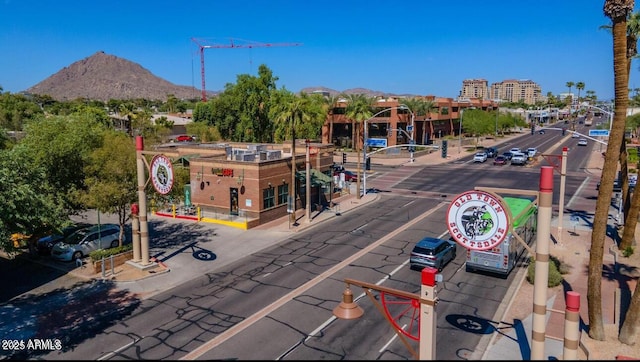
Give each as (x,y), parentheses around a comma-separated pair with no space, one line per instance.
(358,110)
(111,177)
(30,203)
(61,146)
(617,11)
(286,110)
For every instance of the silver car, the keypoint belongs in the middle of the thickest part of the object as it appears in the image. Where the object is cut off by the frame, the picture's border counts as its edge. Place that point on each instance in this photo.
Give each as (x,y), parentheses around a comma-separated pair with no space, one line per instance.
(84,241)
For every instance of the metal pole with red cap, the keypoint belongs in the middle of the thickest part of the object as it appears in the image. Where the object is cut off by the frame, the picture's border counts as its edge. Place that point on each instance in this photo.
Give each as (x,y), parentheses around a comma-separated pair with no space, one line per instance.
(428,315)
(541,280)
(563,174)
(571,327)
(142,202)
(135,231)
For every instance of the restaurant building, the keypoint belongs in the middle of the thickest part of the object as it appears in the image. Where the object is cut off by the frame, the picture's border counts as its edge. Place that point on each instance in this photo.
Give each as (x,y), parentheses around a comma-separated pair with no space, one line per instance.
(245,185)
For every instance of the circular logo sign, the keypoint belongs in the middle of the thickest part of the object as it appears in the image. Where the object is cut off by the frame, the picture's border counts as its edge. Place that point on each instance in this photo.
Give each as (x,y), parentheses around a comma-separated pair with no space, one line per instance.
(477,220)
(161,174)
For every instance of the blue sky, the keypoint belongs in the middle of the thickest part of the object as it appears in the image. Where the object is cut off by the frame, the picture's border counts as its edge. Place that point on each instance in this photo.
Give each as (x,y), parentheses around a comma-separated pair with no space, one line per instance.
(405,47)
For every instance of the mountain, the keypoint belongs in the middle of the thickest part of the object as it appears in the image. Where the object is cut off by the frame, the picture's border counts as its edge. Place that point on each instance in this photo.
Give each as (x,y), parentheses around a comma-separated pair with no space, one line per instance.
(104,77)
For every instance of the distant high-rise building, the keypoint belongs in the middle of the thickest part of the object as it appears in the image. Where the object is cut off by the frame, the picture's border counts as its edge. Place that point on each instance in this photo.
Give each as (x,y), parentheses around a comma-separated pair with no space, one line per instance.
(475,88)
(512,90)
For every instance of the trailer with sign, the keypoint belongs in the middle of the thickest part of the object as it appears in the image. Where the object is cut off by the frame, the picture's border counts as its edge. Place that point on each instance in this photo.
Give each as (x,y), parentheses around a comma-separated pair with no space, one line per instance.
(502,258)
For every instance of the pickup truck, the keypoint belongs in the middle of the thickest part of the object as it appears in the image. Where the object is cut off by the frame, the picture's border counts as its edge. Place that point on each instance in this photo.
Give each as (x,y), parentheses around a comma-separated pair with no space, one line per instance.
(519,159)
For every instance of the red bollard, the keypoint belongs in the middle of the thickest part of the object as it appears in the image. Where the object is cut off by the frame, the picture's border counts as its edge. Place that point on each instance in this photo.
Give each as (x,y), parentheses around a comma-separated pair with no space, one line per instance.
(571,327)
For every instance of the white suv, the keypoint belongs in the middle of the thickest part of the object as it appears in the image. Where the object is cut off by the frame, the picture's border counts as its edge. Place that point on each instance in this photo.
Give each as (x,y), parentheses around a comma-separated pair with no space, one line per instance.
(480,157)
(519,159)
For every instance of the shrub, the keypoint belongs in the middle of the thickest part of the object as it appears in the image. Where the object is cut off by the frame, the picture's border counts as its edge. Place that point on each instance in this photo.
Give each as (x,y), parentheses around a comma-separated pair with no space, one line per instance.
(555,278)
(99,254)
(628,251)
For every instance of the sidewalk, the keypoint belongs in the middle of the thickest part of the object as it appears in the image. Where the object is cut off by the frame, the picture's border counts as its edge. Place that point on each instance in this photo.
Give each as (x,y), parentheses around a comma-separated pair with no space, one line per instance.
(512,338)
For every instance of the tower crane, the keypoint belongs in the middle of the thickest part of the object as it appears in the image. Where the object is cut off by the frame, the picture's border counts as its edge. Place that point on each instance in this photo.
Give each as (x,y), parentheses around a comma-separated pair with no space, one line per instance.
(204,44)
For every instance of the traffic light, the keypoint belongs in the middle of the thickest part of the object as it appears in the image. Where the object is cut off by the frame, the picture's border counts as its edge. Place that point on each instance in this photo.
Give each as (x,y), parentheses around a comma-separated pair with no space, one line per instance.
(344,158)
(412,148)
(532,129)
(367,164)
(444,148)
(564,130)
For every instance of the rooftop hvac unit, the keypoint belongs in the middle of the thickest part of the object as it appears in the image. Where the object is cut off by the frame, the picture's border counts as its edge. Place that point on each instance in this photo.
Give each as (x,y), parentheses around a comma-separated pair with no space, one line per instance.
(274,155)
(246,157)
(257,148)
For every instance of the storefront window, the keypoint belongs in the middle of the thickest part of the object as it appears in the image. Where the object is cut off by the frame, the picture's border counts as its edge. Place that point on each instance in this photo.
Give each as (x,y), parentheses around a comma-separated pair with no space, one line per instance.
(283,192)
(268,198)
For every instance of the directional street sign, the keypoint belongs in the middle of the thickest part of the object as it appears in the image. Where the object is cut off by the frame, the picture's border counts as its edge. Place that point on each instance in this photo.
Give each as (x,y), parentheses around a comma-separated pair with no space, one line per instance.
(598,132)
(377,142)
(409,128)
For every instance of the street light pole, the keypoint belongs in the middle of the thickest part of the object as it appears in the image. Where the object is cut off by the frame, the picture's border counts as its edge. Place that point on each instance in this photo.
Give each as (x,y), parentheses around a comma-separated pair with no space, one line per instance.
(364,147)
(412,142)
(366,141)
(460,132)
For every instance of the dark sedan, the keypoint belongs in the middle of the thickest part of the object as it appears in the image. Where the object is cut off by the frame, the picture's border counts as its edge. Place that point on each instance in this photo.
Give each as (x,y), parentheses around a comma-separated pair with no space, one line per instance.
(507,155)
(500,160)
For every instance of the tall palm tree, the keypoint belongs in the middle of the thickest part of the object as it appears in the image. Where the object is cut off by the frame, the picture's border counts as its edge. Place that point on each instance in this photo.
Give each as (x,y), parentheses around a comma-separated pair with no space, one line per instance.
(330,103)
(617,11)
(570,85)
(579,87)
(287,109)
(421,107)
(631,205)
(358,110)
(629,331)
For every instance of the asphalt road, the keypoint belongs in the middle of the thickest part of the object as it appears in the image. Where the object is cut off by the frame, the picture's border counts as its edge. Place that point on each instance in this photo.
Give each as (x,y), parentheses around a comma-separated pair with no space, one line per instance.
(173,324)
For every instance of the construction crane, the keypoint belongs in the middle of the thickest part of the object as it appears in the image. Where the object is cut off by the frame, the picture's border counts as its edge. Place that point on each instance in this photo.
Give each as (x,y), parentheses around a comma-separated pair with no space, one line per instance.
(203,44)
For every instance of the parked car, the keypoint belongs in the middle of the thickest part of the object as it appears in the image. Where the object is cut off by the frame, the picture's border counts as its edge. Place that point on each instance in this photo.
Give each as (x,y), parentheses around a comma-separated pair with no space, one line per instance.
(480,157)
(348,175)
(45,244)
(185,138)
(500,160)
(82,242)
(491,152)
(432,252)
(582,142)
(508,155)
(617,186)
(519,159)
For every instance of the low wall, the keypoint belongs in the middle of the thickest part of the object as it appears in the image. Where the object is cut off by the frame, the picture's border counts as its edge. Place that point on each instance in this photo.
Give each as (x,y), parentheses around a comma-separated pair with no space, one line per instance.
(118,259)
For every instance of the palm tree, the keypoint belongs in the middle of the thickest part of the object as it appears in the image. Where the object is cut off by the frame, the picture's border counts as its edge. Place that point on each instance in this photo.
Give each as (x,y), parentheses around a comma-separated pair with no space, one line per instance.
(358,110)
(421,107)
(617,11)
(629,331)
(330,103)
(569,85)
(579,87)
(631,205)
(286,110)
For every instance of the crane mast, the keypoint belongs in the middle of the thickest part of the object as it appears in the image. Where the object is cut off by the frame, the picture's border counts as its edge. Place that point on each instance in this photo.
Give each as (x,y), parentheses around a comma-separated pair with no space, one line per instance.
(203,44)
